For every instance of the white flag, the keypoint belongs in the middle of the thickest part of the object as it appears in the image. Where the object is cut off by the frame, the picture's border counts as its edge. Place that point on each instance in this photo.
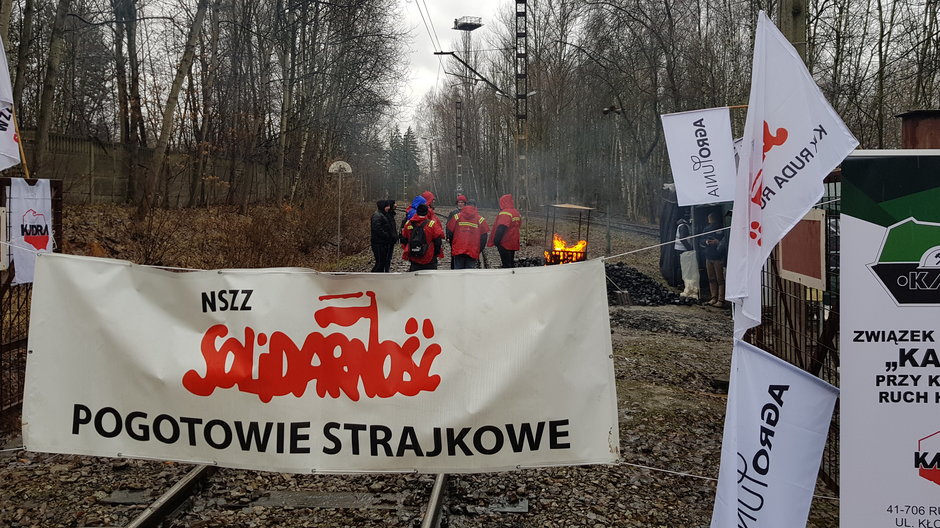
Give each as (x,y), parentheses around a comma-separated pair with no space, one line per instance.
(30,225)
(701,155)
(792,140)
(9,141)
(776,425)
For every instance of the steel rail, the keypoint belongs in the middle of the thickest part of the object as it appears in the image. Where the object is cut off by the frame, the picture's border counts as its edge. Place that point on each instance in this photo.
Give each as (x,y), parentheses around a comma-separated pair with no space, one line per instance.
(432,516)
(158,511)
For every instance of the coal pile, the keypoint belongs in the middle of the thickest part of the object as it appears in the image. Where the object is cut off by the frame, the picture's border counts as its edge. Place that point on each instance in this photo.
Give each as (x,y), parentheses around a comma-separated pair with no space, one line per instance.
(529,262)
(643,289)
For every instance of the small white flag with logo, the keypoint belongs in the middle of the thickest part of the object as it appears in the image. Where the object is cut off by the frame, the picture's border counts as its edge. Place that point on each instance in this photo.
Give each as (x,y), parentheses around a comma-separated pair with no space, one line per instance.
(30,225)
(792,140)
(701,155)
(776,426)
(9,141)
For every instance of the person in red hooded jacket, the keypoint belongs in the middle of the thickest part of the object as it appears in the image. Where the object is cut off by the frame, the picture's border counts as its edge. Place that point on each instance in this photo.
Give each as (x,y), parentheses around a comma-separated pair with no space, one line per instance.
(433,235)
(449,234)
(469,237)
(505,235)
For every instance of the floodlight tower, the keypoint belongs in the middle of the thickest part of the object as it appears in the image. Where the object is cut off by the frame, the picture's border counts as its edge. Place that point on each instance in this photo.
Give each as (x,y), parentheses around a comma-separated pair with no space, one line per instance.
(465,24)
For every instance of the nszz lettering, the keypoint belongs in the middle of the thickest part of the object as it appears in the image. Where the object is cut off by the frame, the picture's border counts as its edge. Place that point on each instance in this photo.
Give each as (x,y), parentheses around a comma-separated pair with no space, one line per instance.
(226,300)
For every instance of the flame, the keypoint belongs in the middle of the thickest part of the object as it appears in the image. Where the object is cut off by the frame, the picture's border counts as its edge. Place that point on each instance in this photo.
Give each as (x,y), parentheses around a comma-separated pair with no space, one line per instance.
(561,252)
(559,244)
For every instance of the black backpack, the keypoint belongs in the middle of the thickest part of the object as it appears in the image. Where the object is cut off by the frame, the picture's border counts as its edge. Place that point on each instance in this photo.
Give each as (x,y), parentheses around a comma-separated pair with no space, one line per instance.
(417,241)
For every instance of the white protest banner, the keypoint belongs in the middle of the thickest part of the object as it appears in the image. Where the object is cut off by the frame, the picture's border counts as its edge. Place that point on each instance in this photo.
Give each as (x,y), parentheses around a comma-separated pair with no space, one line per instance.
(890,324)
(776,425)
(701,155)
(792,141)
(30,225)
(296,371)
(9,141)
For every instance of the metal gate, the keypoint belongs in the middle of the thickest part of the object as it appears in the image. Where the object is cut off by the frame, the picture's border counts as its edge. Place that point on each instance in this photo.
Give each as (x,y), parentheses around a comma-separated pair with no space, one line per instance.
(14,308)
(801,324)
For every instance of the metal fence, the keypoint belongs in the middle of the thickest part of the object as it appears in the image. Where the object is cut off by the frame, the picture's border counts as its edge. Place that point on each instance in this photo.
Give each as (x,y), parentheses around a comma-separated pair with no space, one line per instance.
(14,309)
(801,324)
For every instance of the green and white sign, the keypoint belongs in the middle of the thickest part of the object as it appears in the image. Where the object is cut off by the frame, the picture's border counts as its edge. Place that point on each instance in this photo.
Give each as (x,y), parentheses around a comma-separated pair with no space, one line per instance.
(890,369)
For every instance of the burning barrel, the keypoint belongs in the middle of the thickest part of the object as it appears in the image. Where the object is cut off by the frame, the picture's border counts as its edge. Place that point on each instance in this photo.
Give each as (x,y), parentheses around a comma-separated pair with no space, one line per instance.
(562,253)
(559,252)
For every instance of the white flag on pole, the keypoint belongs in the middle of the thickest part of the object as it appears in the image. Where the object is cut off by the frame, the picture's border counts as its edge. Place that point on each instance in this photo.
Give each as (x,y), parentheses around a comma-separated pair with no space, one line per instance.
(792,140)
(776,426)
(9,141)
(701,155)
(30,225)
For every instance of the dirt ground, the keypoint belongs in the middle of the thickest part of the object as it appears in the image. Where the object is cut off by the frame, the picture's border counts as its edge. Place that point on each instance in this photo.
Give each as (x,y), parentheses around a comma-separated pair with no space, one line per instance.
(671,367)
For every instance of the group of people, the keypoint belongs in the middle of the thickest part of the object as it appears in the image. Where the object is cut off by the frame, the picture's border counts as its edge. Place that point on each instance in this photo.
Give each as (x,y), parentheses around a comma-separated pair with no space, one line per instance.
(713,244)
(422,233)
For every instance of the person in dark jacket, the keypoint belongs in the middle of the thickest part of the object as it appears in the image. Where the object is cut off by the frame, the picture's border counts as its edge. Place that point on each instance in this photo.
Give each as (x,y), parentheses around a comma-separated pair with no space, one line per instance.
(468,237)
(506,228)
(714,262)
(383,235)
(433,234)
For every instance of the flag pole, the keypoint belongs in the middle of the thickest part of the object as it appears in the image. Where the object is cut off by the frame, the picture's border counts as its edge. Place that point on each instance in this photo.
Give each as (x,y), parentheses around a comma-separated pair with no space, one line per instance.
(19,141)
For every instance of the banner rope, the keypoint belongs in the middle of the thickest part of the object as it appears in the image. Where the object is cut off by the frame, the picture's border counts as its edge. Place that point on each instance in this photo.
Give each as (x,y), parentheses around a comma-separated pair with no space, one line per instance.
(665,243)
(12,245)
(691,236)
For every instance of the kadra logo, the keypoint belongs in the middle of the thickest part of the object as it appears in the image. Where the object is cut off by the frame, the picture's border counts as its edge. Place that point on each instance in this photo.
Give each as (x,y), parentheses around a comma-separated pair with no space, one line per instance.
(927,458)
(35,230)
(909,263)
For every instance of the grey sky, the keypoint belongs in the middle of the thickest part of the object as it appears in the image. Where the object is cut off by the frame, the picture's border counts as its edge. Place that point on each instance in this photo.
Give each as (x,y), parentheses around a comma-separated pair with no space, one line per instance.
(426,72)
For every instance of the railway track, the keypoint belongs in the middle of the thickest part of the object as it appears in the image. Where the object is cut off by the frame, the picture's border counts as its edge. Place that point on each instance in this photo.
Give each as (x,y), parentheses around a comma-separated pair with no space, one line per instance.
(599,225)
(207,497)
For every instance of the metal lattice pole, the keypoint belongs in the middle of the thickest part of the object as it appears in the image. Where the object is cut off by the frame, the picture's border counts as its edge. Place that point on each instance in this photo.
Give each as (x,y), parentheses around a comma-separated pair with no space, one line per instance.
(522,106)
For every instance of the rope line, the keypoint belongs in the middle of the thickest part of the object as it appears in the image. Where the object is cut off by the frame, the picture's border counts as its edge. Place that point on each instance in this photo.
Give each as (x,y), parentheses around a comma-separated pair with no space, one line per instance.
(664,243)
(24,248)
(690,237)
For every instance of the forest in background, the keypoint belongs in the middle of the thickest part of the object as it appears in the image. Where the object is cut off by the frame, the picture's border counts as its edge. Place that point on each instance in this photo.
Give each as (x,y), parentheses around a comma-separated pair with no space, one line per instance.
(295,84)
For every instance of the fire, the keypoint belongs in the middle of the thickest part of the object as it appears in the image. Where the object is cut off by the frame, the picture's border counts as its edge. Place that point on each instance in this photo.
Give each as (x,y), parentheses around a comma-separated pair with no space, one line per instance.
(561,252)
(559,244)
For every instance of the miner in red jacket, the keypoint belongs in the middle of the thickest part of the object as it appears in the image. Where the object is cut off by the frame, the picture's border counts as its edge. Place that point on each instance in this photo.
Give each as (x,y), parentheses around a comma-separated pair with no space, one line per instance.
(505,235)
(433,240)
(469,237)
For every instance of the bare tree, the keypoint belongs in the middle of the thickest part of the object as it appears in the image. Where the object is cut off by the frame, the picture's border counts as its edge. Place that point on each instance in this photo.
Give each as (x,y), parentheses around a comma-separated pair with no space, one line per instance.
(159,155)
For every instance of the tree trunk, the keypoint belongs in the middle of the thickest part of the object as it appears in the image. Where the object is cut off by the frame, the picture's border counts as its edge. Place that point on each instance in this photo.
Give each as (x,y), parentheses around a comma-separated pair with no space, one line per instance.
(56,51)
(121,73)
(208,85)
(169,111)
(26,35)
(6,7)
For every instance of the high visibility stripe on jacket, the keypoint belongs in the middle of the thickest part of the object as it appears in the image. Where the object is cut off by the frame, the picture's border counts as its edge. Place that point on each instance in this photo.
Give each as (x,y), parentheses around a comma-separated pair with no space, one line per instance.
(468,229)
(510,218)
